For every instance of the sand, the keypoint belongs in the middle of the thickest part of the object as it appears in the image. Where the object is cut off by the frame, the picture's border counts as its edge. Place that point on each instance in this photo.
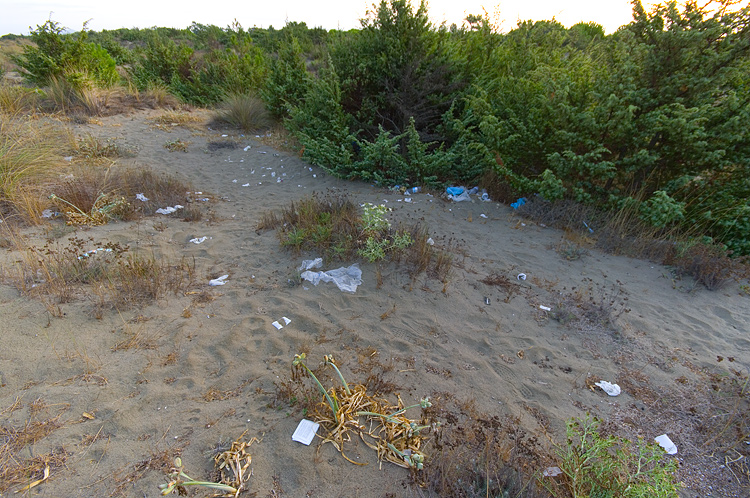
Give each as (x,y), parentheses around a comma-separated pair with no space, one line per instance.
(510,356)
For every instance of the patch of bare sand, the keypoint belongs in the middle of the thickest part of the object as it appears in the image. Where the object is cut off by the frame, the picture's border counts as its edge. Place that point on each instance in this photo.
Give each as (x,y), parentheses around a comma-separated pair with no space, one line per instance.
(191,372)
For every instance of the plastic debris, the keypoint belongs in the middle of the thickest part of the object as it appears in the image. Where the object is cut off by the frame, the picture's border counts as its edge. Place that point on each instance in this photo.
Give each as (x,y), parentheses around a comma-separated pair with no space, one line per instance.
(520,202)
(198,240)
(483,215)
(458,194)
(309,264)
(545,308)
(278,325)
(48,213)
(521,276)
(552,472)
(305,431)
(486,197)
(218,281)
(667,444)
(609,388)
(141,197)
(247,148)
(591,230)
(430,242)
(169,209)
(346,279)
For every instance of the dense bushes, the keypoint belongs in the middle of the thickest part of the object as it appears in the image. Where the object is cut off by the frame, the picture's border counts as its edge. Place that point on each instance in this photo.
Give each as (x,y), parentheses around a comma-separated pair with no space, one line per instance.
(651,118)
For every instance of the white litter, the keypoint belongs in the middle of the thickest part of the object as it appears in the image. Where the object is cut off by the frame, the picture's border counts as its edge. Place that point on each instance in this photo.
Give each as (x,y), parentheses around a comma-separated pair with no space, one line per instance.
(199,240)
(346,279)
(141,197)
(609,388)
(169,209)
(234,181)
(218,281)
(309,264)
(482,215)
(552,472)
(48,213)
(247,148)
(521,276)
(430,242)
(245,184)
(667,444)
(305,431)
(278,325)
(545,308)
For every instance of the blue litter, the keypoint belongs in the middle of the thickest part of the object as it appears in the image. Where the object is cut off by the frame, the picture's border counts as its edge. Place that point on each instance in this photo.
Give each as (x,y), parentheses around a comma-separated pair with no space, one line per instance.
(455,191)
(520,202)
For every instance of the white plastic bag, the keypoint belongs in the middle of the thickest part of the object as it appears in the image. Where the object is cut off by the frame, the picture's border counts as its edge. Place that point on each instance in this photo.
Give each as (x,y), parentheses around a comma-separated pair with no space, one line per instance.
(346,278)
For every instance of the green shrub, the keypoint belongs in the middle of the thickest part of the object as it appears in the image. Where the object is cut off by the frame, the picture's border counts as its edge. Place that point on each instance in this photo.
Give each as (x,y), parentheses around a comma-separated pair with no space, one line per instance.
(287,82)
(57,55)
(594,465)
(321,125)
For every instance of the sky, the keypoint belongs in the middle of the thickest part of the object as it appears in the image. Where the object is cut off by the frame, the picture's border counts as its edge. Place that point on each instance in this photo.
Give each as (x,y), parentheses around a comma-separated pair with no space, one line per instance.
(17,16)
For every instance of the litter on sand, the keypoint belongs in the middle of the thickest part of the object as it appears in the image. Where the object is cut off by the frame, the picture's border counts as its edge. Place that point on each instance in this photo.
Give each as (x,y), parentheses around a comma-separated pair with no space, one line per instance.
(198,240)
(346,278)
(545,308)
(141,197)
(309,264)
(609,388)
(520,202)
(667,444)
(305,431)
(552,472)
(218,281)
(278,325)
(169,209)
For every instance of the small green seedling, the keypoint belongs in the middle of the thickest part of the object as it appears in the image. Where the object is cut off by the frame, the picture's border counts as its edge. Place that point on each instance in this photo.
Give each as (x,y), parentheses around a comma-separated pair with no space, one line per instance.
(298,360)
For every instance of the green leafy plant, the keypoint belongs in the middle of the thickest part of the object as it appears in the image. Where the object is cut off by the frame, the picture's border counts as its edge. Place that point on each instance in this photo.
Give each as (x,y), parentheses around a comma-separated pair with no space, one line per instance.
(596,465)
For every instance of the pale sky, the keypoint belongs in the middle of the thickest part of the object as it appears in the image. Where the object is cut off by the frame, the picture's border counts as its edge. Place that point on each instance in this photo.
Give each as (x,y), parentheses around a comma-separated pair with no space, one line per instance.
(17,16)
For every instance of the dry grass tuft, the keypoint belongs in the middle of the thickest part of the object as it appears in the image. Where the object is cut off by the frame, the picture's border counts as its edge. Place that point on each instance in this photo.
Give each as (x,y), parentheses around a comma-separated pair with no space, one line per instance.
(106,273)
(30,152)
(15,441)
(246,112)
(475,455)
(176,118)
(18,100)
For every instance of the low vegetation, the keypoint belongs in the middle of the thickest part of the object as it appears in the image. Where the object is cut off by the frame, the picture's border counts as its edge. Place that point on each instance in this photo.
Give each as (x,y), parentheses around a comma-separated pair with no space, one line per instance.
(333,226)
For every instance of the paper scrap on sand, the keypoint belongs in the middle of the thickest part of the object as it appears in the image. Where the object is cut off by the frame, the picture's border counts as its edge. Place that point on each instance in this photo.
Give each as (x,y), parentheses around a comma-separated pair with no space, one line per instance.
(169,209)
(305,432)
(667,444)
(218,281)
(552,472)
(609,388)
(279,326)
